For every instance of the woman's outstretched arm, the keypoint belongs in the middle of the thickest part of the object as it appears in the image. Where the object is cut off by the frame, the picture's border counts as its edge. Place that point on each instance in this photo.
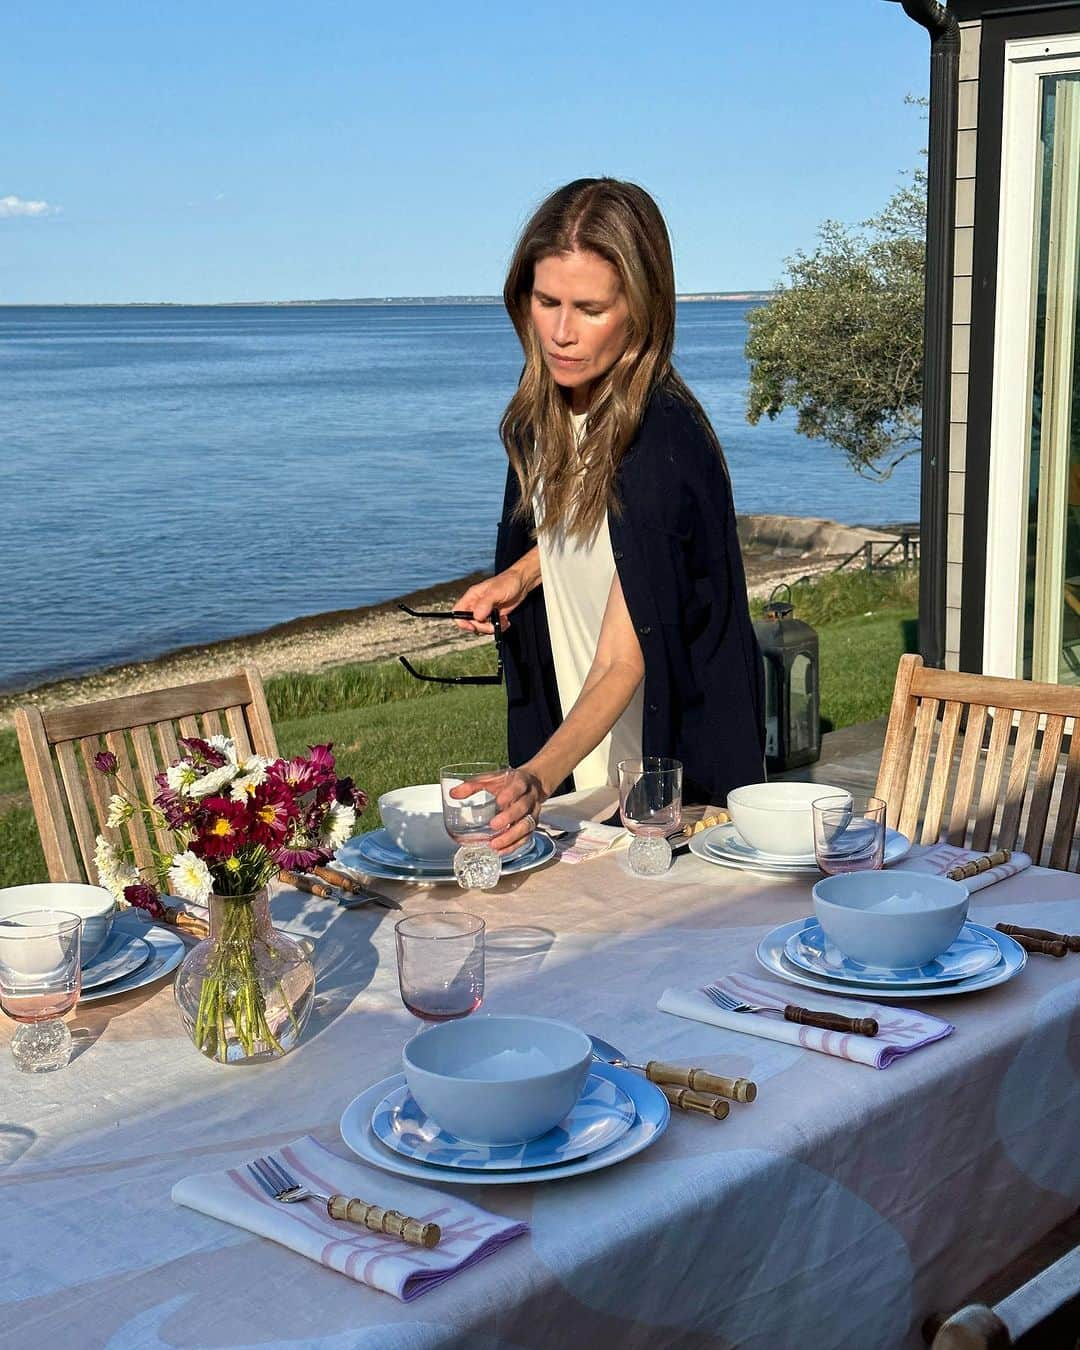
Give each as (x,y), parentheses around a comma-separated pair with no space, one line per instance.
(617,670)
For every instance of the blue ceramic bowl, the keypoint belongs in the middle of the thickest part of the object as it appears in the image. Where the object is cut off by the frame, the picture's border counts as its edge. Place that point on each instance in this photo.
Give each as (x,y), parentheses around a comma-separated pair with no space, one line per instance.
(497,1080)
(93,904)
(891,919)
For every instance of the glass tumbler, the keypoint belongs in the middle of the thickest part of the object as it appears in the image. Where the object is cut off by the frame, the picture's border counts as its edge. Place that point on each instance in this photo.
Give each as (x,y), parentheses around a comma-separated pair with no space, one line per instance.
(467,820)
(650,805)
(40,981)
(440,961)
(849,833)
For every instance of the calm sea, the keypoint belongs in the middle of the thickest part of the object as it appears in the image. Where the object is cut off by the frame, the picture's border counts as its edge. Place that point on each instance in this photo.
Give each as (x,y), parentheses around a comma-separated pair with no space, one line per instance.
(175,475)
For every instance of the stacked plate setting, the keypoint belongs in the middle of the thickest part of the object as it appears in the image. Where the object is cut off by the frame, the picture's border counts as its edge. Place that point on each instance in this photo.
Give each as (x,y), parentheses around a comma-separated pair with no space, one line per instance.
(134,954)
(724,846)
(617,1115)
(377,855)
(979,958)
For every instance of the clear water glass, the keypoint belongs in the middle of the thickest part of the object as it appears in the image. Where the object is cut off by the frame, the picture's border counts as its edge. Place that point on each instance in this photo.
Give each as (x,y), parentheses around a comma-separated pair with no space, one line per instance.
(440,960)
(849,833)
(467,820)
(40,981)
(650,806)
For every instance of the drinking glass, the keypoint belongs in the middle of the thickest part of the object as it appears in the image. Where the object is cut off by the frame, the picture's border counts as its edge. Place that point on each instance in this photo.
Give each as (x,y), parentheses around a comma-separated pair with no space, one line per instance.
(650,804)
(40,979)
(440,960)
(849,833)
(468,821)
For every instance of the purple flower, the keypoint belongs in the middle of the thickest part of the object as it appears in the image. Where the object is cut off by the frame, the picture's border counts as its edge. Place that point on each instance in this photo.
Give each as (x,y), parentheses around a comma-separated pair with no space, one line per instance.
(202,750)
(144,896)
(300,858)
(348,794)
(105,762)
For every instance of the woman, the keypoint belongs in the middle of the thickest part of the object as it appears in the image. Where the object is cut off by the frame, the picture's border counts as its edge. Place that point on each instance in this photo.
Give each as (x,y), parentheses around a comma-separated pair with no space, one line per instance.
(618,572)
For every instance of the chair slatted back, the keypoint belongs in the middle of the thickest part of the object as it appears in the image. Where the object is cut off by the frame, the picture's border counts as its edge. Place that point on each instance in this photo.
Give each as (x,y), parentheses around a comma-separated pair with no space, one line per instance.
(984,762)
(71,798)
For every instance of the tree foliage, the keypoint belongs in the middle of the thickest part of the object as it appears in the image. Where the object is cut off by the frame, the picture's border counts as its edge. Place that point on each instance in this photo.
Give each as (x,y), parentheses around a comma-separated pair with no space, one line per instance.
(841,341)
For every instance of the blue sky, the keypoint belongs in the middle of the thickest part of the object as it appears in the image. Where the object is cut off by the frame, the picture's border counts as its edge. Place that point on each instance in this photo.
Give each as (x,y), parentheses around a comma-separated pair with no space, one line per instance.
(241,151)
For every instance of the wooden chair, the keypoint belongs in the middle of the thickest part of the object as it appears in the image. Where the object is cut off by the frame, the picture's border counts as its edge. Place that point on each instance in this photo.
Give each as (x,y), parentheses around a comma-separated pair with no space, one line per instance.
(1044,1312)
(965,745)
(139,727)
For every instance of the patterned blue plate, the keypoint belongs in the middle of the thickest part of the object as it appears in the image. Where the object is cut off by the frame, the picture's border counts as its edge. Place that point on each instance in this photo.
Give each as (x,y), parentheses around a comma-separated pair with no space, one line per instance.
(650,1122)
(352,855)
(602,1114)
(121,954)
(377,847)
(971,954)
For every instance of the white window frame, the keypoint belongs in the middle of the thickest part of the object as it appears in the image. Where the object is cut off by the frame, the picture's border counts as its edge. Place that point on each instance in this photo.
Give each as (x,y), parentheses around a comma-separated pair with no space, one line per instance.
(1027,60)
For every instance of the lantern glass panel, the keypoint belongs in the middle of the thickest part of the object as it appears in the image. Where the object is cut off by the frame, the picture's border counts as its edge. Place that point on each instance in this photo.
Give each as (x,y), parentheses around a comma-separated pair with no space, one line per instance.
(772,710)
(801,703)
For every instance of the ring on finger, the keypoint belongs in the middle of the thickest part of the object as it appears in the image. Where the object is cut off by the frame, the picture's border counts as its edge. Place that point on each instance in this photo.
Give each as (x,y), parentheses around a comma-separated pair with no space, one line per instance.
(529,819)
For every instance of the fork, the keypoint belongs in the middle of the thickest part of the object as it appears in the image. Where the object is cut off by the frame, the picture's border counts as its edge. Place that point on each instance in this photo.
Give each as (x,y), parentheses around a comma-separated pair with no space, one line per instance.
(281,1185)
(857,1026)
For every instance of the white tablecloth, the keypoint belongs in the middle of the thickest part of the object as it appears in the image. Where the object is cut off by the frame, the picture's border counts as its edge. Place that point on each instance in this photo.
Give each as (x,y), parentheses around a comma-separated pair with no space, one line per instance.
(837,1210)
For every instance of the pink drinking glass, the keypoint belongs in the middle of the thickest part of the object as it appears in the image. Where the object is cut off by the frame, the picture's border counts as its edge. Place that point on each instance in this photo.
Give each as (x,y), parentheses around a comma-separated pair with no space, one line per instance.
(40,981)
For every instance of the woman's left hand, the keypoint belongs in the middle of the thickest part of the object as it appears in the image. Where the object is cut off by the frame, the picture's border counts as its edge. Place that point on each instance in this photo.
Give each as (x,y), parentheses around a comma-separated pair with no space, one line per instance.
(519,800)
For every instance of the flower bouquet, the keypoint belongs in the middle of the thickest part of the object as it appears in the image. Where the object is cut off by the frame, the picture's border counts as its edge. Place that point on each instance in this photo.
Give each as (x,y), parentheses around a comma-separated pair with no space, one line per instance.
(237,821)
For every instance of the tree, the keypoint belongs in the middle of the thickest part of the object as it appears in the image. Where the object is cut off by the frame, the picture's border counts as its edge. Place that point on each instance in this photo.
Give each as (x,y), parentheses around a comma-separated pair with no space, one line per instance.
(841,341)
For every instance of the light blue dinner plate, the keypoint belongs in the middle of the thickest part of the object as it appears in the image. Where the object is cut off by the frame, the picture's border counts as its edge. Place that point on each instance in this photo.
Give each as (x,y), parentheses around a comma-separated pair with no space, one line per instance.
(771,954)
(351,855)
(724,846)
(121,954)
(166,952)
(378,847)
(601,1115)
(971,954)
(651,1115)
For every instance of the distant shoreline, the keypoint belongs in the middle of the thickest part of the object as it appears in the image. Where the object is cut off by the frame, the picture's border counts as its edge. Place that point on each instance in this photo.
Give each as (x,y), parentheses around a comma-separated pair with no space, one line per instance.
(372,302)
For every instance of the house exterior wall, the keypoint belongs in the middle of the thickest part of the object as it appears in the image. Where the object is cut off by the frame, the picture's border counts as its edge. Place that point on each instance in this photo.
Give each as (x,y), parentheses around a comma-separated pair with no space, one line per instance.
(966,141)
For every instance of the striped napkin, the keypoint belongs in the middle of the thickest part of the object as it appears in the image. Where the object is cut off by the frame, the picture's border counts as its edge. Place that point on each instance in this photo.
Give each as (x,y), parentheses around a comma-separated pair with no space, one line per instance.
(468,1233)
(937,859)
(900,1030)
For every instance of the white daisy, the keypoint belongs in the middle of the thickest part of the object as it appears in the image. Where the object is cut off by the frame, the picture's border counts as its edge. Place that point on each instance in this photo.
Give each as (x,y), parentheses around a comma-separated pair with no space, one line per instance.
(114,870)
(226,745)
(120,809)
(210,783)
(337,825)
(180,776)
(252,773)
(189,878)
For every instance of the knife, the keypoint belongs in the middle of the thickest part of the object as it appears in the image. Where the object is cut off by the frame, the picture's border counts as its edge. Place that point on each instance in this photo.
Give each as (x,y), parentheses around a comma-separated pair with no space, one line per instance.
(357,892)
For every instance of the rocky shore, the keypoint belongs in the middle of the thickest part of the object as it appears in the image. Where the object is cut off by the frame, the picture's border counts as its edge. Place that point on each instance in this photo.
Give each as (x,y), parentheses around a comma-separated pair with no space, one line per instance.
(775,549)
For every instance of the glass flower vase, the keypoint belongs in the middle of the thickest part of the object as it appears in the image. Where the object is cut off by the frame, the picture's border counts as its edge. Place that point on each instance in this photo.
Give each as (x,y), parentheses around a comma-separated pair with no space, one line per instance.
(245,992)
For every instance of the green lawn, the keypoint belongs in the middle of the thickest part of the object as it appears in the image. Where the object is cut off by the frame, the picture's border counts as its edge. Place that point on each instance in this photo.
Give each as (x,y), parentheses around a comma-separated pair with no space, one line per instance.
(387,729)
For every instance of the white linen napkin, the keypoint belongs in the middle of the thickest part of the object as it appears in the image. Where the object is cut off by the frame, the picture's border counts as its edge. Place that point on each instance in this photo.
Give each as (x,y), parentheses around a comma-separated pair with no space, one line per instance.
(900,1030)
(937,859)
(468,1233)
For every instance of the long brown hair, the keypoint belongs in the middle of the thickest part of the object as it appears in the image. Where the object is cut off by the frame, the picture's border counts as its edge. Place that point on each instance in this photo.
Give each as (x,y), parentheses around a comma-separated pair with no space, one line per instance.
(622,224)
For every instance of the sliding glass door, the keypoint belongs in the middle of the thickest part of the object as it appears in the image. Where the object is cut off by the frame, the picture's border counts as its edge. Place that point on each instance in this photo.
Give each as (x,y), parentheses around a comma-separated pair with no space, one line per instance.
(1033,545)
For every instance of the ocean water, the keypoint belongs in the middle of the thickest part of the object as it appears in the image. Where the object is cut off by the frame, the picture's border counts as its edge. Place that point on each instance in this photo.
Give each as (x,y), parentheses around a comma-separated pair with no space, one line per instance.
(174,475)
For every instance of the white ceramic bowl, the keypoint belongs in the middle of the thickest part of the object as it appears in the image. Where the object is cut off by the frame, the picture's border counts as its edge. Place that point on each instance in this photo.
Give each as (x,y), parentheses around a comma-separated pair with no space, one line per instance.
(93,904)
(776,817)
(414,820)
(497,1080)
(893,919)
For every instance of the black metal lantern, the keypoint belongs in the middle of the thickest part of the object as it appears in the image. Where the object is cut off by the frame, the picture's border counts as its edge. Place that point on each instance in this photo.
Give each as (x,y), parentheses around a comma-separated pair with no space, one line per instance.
(792,702)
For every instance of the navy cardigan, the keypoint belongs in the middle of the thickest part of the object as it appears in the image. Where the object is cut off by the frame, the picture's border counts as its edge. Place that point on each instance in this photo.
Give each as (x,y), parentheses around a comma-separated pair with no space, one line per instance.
(677,555)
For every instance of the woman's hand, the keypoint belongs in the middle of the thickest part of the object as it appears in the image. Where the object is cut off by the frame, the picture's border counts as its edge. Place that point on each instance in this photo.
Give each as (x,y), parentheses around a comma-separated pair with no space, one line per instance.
(504,592)
(519,799)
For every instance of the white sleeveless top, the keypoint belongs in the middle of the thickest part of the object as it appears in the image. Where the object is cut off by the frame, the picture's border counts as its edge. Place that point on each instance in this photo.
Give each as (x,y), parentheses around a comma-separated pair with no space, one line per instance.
(577,579)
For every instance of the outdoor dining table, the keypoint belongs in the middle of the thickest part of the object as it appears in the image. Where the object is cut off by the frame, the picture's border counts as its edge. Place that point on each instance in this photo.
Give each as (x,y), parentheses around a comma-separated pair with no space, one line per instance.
(839,1209)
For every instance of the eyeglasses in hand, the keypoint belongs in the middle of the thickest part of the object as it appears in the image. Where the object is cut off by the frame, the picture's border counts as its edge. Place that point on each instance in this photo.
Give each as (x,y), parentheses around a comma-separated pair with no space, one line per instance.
(496,678)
